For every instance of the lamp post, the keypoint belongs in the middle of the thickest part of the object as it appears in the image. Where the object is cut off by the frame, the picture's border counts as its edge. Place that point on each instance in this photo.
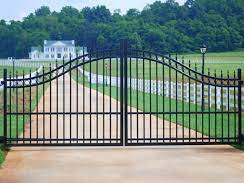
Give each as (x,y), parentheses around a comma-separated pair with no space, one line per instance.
(203,50)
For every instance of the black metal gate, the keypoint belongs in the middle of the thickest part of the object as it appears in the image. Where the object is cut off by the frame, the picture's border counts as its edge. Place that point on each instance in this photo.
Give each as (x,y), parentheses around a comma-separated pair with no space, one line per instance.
(170,102)
(121,96)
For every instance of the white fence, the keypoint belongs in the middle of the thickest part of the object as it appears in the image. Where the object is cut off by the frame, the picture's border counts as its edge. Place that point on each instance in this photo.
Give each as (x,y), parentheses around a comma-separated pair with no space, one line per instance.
(33,81)
(26,63)
(189,92)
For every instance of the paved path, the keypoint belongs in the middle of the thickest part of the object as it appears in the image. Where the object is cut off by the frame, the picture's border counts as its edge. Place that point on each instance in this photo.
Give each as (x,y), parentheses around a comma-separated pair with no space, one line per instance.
(159,164)
(122,164)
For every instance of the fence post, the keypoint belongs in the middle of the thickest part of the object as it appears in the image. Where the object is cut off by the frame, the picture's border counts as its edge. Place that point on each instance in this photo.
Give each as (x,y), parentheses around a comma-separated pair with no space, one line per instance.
(5,106)
(210,96)
(167,88)
(194,93)
(239,106)
(187,93)
(226,99)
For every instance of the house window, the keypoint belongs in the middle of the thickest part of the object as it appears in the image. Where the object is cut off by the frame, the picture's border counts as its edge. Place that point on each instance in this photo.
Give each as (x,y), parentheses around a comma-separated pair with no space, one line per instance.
(52,49)
(47,49)
(59,55)
(46,56)
(65,49)
(52,55)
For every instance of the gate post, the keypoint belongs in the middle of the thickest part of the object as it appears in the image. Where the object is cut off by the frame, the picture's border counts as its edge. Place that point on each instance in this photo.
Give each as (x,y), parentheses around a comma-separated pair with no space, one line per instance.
(5,107)
(121,93)
(239,107)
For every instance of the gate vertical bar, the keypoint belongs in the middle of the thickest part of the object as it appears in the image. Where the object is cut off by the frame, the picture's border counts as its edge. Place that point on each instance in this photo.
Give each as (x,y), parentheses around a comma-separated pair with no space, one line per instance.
(5,105)
(125,50)
(121,93)
(239,106)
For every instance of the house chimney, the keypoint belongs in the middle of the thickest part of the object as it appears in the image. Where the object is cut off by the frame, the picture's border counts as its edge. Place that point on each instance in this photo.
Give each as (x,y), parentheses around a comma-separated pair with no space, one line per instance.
(73,42)
(45,42)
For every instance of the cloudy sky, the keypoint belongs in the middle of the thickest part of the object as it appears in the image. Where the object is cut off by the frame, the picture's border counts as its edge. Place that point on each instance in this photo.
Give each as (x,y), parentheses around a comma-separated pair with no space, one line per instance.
(17,9)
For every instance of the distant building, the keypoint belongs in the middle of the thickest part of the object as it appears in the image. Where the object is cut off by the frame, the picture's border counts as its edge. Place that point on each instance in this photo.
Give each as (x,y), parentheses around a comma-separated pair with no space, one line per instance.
(36,53)
(57,50)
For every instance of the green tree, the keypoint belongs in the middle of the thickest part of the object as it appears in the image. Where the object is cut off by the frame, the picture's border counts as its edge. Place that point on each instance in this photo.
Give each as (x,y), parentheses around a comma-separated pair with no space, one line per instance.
(43,11)
(160,26)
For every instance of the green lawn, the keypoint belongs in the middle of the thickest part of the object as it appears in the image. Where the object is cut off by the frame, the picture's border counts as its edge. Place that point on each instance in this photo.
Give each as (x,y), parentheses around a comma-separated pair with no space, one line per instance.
(221,57)
(226,61)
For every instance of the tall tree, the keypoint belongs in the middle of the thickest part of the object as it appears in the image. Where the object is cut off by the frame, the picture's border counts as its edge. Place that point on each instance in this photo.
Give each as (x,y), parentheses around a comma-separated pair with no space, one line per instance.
(162,26)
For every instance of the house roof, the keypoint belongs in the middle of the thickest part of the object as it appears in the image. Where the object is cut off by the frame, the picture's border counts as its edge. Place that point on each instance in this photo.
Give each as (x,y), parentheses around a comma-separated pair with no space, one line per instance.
(50,43)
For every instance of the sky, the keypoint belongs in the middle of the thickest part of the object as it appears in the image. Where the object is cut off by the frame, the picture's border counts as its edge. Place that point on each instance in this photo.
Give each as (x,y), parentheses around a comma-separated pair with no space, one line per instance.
(17,9)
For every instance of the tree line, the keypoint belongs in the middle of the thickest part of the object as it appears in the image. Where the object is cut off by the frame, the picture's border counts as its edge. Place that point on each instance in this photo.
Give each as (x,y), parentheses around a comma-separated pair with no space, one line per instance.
(162,26)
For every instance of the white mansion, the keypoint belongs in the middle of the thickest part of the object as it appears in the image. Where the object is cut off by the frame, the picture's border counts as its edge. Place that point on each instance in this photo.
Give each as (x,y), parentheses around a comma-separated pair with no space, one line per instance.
(56,50)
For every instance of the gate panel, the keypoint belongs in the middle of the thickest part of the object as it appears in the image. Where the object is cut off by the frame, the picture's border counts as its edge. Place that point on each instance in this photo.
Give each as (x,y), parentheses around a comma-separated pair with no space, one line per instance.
(69,104)
(169,102)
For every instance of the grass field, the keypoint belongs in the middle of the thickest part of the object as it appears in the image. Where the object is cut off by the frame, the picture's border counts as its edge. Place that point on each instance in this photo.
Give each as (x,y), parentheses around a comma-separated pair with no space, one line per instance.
(221,57)
(226,62)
